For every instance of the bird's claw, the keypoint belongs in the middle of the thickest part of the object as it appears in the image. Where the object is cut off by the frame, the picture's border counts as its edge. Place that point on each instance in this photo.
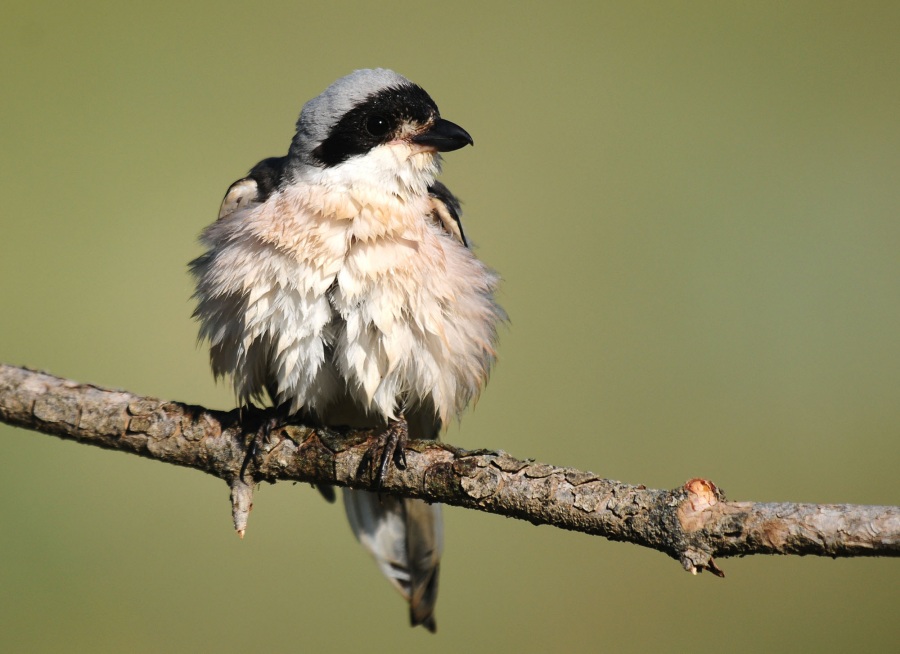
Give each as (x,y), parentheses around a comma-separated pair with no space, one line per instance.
(271,421)
(389,447)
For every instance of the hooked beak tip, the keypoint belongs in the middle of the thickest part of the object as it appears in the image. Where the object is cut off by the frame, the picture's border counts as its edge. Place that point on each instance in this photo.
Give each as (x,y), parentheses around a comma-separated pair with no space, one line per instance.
(444,136)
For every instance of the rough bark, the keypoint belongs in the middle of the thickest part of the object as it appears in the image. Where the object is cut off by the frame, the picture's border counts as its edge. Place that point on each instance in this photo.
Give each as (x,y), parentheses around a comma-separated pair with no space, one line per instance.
(693,523)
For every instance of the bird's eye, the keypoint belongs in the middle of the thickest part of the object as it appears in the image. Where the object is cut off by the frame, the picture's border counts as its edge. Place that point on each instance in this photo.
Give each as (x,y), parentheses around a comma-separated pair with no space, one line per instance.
(377,125)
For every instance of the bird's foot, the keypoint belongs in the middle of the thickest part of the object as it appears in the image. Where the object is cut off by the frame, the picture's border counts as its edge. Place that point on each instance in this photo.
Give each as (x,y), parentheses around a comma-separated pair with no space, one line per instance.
(261,427)
(390,447)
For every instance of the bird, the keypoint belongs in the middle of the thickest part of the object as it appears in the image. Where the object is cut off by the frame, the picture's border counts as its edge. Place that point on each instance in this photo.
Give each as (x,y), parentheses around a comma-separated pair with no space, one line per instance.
(338,285)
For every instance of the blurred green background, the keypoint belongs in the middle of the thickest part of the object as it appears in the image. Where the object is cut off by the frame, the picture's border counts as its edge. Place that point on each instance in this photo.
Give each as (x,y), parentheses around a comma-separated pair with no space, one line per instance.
(696,211)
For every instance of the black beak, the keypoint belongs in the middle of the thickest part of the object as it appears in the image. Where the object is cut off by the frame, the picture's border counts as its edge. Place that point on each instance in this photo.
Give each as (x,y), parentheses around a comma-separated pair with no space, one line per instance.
(444,136)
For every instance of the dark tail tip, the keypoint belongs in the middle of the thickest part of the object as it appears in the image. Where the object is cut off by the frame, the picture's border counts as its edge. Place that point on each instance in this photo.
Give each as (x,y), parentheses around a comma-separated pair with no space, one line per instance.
(428,622)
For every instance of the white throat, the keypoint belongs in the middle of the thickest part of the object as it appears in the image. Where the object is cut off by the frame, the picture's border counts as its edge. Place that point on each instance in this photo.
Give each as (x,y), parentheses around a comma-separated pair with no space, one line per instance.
(397,169)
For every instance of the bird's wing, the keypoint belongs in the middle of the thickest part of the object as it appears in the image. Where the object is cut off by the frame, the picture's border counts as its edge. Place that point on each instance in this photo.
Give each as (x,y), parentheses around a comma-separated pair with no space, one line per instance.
(240,194)
(258,185)
(446,211)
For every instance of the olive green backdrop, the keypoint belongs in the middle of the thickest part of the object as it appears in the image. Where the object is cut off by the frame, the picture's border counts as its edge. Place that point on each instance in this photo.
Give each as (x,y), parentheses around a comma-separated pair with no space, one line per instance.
(696,211)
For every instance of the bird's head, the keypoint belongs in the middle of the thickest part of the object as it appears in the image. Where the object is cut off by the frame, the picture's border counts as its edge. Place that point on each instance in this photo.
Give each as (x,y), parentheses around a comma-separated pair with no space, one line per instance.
(372,125)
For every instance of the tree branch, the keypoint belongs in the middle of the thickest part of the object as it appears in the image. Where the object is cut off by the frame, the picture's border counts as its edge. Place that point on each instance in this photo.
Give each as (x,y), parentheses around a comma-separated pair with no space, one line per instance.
(692,523)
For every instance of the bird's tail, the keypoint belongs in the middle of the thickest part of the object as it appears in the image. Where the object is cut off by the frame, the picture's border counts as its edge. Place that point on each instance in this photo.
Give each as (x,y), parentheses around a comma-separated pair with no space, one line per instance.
(406,538)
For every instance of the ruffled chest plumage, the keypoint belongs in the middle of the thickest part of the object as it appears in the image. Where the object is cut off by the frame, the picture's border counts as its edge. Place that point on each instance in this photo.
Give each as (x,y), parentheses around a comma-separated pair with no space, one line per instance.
(366,299)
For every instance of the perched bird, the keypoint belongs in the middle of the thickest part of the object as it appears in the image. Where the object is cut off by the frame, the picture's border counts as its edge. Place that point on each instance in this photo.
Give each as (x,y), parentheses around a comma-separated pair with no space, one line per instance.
(337,282)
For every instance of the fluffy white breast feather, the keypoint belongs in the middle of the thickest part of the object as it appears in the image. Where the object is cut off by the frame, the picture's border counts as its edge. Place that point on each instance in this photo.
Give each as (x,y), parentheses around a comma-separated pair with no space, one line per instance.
(349,288)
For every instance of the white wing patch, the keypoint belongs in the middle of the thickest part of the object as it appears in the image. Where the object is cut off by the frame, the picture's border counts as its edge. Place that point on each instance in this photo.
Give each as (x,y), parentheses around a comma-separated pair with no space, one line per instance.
(240,195)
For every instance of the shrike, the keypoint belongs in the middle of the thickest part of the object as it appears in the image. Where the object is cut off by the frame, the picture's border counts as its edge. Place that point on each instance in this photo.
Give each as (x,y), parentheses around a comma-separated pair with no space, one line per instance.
(337,282)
